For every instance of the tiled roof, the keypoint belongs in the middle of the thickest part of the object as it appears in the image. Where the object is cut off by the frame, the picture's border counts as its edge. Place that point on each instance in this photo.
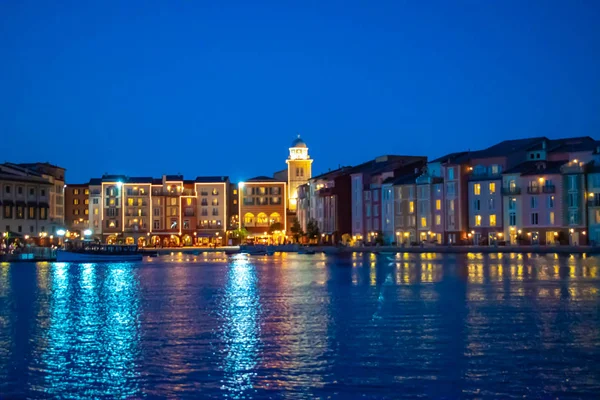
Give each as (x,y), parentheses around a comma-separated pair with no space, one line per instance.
(333,173)
(262,179)
(212,179)
(533,167)
(452,157)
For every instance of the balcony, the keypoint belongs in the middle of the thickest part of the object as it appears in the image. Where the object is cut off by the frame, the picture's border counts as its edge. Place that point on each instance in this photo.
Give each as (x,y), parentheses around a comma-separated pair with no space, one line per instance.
(511,191)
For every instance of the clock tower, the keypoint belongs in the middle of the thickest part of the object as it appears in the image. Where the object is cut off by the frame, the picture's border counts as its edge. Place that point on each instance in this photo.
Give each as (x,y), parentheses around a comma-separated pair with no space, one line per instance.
(299,170)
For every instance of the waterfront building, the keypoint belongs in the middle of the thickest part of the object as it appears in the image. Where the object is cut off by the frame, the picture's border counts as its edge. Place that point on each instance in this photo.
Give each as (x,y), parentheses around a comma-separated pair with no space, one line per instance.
(77,202)
(429,204)
(593,200)
(169,211)
(366,180)
(24,202)
(405,214)
(303,206)
(328,205)
(263,207)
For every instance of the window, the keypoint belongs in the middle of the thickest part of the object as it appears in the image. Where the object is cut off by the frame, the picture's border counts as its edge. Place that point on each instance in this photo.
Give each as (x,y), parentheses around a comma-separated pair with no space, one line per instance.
(43,213)
(173,201)
(411,207)
(111,212)
(76,212)
(86,192)
(173,223)
(451,189)
(533,202)
(477,189)
(512,219)
(376,211)
(86,211)
(534,218)
(476,205)
(597,214)
(20,212)
(438,219)
(215,192)
(31,213)
(493,220)
(75,192)
(368,210)
(423,222)
(76,201)
(19,189)
(7,189)
(375,195)
(492,187)
(43,192)
(572,182)
(550,201)
(551,218)
(596,201)
(367,195)
(186,224)
(86,201)
(139,202)
(156,224)
(215,211)
(262,219)
(451,173)
(478,220)
(438,205)
(495,169)
(572,199)
(234,191)
(573,217)
(491,204)
(215,202)
(512,203)
(95,211)
(31,191)
(451,205)
(188,201)
(95,201)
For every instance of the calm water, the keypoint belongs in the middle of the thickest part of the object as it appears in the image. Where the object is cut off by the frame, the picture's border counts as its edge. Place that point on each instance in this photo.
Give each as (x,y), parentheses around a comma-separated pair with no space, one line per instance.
(303,326)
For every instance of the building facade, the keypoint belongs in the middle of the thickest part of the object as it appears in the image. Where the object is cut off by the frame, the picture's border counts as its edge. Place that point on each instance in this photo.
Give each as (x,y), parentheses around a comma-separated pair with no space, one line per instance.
(299,170)
(77,202)
(263,207)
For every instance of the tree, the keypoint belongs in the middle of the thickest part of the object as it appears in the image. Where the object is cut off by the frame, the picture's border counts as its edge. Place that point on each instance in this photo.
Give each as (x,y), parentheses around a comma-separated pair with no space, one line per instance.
(296,229)
(276,226)
(312,229)
(240,233)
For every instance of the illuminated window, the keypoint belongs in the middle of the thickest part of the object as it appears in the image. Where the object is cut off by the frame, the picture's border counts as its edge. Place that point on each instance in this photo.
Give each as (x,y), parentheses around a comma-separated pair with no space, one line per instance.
(130,201)
(423,222)
(95,211)
(275,217)
(173,201)
(215,202)
(188,201)
(493,220)
(438,219)
(76,212)
(438,204)
(477,189)
(234,191)
(215,192)
(111,202)
(76,201)
(492,188)
(411,207)
(551,217)
(142,191)
(75,191)
(86,201)
(262,219)
(478,220)
(249,219)
(86,211)
(139,202)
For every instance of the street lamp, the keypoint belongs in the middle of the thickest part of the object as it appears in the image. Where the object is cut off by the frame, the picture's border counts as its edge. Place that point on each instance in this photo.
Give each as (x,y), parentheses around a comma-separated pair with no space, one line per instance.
(87,232)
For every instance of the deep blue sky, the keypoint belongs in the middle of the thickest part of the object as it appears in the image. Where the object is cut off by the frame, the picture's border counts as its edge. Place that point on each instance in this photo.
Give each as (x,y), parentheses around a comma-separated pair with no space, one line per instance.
(221,88)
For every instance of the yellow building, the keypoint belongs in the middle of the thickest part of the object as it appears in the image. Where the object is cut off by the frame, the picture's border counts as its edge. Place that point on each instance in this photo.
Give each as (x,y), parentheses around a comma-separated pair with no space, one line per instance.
(299,170)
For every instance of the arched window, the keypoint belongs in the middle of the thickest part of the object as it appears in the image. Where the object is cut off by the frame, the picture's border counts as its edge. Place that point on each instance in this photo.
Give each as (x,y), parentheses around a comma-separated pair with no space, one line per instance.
(249,219)
(262,219)
(274,218)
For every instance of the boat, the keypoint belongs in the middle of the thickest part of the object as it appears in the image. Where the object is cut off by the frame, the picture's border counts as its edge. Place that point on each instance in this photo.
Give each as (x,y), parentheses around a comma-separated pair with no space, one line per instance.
(93,252)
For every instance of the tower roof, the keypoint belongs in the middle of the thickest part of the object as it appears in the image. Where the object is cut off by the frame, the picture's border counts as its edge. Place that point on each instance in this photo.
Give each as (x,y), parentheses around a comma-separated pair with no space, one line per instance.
(298,142)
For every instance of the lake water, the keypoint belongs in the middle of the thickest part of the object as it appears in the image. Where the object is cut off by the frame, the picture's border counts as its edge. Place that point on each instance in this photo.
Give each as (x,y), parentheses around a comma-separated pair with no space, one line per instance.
(303,326)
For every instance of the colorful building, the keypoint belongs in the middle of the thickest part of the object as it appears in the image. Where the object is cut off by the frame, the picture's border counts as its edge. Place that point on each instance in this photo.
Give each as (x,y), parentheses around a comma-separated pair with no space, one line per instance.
(263,208)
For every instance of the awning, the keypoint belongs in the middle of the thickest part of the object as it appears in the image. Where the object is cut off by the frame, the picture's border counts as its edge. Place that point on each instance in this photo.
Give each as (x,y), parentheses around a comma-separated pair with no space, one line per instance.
(32,203)
(21,203)
(8,202)
(43,205)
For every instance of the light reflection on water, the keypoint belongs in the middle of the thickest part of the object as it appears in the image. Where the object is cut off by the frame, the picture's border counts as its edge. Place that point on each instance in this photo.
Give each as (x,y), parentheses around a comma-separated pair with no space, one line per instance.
(302,326)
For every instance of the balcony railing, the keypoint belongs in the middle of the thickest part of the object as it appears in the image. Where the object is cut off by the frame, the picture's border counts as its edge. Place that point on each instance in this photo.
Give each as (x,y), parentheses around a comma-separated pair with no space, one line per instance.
(541,189)
(511,191)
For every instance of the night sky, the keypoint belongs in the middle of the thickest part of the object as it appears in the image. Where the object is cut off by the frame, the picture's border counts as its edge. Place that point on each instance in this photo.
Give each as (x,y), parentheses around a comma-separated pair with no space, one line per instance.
(222,88)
